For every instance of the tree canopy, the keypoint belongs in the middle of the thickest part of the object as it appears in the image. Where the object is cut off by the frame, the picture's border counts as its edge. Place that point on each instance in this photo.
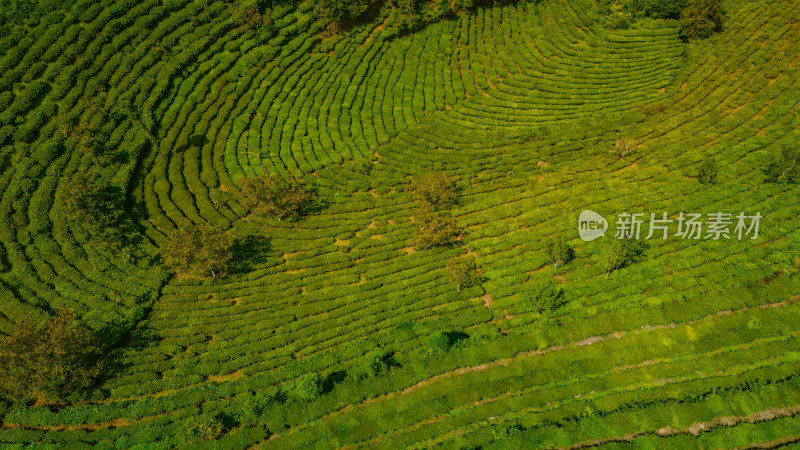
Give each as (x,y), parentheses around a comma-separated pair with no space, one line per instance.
(198,250)
(59,360)
(274,196)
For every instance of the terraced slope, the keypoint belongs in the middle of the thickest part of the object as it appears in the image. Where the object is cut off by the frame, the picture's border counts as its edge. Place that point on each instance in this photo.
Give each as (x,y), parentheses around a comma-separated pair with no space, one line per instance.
(694,347)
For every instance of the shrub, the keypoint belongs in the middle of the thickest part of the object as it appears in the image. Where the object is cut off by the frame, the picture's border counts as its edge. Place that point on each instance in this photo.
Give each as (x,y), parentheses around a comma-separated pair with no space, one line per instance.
(198,250)
(55,361)
(205,428)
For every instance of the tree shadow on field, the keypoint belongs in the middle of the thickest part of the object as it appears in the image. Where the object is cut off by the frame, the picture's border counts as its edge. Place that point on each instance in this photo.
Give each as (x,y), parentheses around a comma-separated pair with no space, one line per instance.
(197,140)
(248,252)
(455,337)
(332,380)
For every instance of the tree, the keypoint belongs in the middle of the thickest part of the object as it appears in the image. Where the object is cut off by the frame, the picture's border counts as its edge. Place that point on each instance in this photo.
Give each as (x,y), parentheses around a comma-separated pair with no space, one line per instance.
(273,195)
(784,166)
(59,360)
(708,172)
(375,363)
(439,342)
(624,146)
(558,252)
(622,253)
(659,9)
(463,273)
(198,250)
(100,211)
(435,229)
(308,387)
(435,188)
(544,296)
(701,18)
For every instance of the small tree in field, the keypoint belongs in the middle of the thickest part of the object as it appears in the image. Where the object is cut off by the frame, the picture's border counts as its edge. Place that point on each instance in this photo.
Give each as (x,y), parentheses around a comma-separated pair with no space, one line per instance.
(435,229)
(784,166)
(272,195)
(558,252)
(543,296)
(622,253)
(709,172)
(100,211)
(308,387)
(463,273)
(59,360)
(198,250)
(435,188)
(624,146)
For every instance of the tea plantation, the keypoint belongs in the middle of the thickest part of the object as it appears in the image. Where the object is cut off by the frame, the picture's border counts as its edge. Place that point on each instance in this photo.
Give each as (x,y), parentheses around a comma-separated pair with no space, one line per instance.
(131,129)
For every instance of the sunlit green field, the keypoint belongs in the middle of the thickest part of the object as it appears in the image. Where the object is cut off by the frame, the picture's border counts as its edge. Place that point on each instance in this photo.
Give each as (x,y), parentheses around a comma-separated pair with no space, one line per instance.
(520,103)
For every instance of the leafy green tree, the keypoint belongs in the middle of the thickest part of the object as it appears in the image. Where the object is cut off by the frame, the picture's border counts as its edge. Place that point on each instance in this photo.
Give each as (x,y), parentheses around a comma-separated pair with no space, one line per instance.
(622,253)
(337,15)
(59,360)
(463,273)
(435,188)
(784,166)
(374,364)
(659,9)
(558,252)
(435,229)
(307,387)
(198,250)
(709,171)
(439,342)
(701,18)
(543,296)
(99,210)
(275,196)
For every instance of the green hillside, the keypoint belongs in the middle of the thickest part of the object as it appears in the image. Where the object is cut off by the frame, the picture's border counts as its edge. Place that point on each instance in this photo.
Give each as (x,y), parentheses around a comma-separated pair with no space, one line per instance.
(124,122)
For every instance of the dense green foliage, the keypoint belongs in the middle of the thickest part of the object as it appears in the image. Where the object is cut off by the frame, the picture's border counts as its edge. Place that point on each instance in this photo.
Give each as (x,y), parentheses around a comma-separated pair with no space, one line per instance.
(59,360)
(544,296)
(435,228)
(436,189)
(307,387)
(518,101)
(709,171)
(274,196)
(701,18)
(558,252)
(784,165)
(198,250)
(621,253)
(463,273)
